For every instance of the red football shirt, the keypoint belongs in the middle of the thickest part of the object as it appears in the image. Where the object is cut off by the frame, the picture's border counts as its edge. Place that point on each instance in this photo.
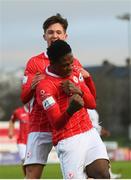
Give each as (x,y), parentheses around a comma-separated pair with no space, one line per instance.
(21,115)
(38,122)
(36,64)
(54,101)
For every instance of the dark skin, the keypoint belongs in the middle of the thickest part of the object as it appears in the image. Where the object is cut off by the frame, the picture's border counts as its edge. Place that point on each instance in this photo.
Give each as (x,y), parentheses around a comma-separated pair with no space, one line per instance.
(69,88)
(63,67)
(99,169)
(76,103)
(105,132)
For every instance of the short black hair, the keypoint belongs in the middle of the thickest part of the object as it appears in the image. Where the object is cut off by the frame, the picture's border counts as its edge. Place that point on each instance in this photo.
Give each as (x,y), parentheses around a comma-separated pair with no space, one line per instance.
(55,19)
(57,50)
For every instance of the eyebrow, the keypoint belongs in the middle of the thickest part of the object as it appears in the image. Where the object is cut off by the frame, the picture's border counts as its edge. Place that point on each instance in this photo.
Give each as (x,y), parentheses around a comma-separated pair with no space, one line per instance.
(50,30)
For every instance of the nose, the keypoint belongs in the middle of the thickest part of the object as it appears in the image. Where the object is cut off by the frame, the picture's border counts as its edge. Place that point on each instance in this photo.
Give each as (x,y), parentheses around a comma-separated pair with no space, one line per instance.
(55,35)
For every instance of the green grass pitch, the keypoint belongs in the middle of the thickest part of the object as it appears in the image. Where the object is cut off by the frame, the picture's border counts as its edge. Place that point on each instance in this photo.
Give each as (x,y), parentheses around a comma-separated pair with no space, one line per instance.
(52,171)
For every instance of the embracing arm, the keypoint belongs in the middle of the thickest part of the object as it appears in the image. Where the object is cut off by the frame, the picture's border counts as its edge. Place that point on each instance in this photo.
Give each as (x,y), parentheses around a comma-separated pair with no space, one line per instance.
(31,78)
(29,85)
(88,98)
(26,91)
(89,81)
(87,77)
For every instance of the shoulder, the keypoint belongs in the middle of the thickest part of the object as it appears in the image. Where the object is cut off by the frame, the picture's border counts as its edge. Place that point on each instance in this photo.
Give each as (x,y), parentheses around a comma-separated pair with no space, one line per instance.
(18,109)
(36,58)
(76,65)
(37,64)
(45,82)
(46,85)
(77,62)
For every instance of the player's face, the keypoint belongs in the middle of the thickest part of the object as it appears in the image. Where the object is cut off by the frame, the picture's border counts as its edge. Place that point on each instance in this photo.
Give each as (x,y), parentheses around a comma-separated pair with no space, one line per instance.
(65,65)
(54,32)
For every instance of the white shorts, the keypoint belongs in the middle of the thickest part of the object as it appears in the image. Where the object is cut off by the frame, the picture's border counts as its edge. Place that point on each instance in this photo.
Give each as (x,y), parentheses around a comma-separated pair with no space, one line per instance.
(78,151)
(39,145)
(22,151)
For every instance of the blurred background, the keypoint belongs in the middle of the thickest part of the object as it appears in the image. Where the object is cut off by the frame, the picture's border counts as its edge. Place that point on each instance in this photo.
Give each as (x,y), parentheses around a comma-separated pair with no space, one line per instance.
(100,35)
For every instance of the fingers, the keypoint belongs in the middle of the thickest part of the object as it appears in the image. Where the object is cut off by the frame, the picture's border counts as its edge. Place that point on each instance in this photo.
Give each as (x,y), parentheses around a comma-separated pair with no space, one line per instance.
(38,73)
(84,73)
(77,99)
(37,78)
(66,83)
(67,87)
(70,88)
(76,103)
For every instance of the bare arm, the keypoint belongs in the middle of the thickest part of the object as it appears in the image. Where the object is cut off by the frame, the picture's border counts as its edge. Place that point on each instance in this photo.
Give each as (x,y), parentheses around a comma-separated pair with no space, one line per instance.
(29,87)
(11,129)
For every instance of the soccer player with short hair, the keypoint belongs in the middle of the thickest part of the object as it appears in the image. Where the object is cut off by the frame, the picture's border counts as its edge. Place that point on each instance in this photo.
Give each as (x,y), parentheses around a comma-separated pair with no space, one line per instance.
(20,114)
(65,98)
(55,28)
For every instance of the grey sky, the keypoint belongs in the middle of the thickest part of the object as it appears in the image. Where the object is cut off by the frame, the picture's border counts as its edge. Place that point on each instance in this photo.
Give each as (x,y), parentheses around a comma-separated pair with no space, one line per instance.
(94,31)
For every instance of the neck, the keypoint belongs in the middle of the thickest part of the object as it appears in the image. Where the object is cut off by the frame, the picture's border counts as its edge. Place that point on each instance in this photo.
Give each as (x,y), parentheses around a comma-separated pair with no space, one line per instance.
(52,69)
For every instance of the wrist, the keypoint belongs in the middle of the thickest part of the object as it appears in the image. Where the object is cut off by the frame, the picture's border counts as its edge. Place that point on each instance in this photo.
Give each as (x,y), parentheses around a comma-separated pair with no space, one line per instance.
(81,93)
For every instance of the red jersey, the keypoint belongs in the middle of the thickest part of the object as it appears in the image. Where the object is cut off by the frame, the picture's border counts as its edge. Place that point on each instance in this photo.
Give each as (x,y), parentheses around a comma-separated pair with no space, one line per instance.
(38,64)
(51,97)
(34,65)
(21,115)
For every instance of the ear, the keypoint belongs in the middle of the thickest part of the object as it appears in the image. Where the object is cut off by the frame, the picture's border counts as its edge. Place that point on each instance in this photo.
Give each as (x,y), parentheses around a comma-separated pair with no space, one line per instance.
(44,37)
(66,36)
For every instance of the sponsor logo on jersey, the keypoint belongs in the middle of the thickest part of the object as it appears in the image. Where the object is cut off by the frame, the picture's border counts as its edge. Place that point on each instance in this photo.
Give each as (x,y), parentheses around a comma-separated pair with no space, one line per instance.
(44,94)
(48,102)
(81,77)
(75,79)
